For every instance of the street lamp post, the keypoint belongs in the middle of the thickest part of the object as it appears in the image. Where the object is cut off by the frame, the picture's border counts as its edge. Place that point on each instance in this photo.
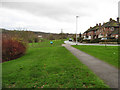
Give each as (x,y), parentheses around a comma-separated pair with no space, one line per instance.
(76,27)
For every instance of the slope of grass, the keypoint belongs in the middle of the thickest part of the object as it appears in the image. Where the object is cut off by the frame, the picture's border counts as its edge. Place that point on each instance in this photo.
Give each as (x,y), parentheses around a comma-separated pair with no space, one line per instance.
(108,54)
(49,67)
(46,43)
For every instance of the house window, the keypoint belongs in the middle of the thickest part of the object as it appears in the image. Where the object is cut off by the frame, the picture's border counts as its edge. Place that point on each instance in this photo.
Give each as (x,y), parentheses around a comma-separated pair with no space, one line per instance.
(116,36)
(112,28)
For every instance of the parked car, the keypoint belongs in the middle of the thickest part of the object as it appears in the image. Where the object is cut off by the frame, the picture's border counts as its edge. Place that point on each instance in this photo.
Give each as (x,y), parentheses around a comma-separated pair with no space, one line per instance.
(85,38)
(70,39)
(103,38)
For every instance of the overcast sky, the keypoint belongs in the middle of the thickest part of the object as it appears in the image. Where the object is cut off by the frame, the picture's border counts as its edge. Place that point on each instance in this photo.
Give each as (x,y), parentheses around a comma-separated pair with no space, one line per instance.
(54,15)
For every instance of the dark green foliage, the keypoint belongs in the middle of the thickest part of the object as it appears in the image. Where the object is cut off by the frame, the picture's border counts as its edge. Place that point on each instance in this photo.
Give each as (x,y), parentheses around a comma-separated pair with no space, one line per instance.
(80,39)
(36,40)
(86,41)
(109,40)
(99,40)
(95,40)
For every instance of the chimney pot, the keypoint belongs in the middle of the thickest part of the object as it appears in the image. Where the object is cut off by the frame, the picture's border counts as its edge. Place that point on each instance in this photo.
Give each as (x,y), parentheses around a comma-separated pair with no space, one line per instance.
(99,24)
(118,20)
(110,19)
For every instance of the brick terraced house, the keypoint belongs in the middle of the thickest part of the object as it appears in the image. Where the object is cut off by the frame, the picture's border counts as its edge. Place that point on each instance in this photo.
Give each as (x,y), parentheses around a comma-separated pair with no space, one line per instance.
(108,29)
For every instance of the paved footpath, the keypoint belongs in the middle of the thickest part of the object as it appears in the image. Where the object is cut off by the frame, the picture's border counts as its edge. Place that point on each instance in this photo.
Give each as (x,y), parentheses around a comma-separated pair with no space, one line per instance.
(105,71)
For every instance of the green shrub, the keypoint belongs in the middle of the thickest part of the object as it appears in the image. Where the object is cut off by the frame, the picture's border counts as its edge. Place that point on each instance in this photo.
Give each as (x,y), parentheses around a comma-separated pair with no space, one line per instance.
(94,40)
(86,41)
(36,40)
(99,40)
(80,39)
(109,40)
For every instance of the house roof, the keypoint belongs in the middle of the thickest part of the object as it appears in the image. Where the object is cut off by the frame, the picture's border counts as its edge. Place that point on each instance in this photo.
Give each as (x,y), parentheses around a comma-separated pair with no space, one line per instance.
(95,28)
(88,30)
(111,23)
(92,29)
(115,32)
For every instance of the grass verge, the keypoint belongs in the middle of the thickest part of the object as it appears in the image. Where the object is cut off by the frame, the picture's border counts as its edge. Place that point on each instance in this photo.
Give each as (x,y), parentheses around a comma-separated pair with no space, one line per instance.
(108,54)
(49,67)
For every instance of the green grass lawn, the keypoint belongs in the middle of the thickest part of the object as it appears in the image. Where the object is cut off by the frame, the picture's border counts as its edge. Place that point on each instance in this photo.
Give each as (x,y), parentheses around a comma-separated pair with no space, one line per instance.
(46,43)
(46,66)
(108,54)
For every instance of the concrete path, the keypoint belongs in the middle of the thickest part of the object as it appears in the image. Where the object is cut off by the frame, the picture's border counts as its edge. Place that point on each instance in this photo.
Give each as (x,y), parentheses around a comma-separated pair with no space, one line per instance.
(105,71)
(74,43)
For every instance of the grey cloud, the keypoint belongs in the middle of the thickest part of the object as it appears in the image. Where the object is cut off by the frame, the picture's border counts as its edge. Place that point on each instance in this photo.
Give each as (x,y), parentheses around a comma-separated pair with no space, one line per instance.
(57,11)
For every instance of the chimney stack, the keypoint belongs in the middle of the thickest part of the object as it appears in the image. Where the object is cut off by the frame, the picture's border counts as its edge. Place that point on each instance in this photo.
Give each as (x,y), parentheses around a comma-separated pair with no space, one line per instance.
(90,27)
(96,24)
(100,24)
(110,19)
(118,20)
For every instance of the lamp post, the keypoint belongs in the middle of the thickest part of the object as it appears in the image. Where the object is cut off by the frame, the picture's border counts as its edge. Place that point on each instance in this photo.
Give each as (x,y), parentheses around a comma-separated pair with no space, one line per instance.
(76,27)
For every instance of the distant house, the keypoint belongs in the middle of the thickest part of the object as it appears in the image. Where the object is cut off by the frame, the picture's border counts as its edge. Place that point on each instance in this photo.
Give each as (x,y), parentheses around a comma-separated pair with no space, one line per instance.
(91,33)
(40,36)
(108,29)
